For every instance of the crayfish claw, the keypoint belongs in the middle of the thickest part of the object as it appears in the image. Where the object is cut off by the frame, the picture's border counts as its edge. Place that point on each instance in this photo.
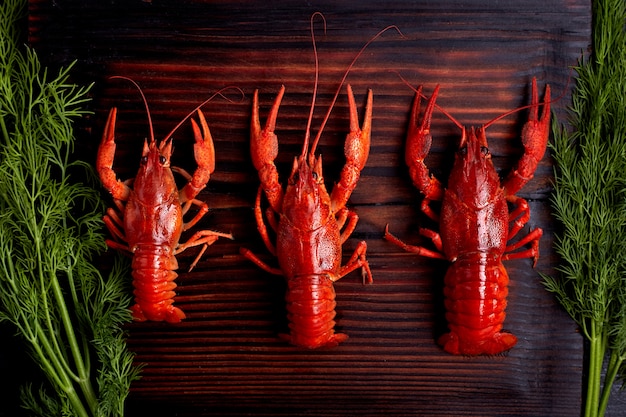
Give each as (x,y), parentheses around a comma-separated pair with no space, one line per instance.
(356,151)
(264,149)
(418,145)
(204,153)
(104,161)
(535,135)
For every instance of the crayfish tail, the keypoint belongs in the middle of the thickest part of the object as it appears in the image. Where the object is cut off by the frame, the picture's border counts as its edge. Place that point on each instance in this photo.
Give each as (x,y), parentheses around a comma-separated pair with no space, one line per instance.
(324,342)
(311,312)
(153,281)
(168,313)
(174,315)
(498,342)
(137,313)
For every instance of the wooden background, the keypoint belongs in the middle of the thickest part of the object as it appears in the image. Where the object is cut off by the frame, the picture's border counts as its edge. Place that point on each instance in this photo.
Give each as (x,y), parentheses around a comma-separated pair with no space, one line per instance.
(226,358)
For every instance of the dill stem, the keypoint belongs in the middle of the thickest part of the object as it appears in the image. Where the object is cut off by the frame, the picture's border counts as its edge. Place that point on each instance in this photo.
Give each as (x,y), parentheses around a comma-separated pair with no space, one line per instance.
(39,337)
(597,351)
(83,371)
(57,370)
(63,368)
(83,376)
(615,362)
(5,132)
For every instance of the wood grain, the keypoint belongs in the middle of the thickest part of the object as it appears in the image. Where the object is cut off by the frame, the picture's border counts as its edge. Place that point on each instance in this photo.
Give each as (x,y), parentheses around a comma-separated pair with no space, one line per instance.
(226,358)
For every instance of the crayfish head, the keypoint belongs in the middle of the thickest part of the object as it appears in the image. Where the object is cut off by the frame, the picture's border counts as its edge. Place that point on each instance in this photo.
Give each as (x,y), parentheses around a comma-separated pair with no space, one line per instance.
(306,203)
(154,181)
(474,178)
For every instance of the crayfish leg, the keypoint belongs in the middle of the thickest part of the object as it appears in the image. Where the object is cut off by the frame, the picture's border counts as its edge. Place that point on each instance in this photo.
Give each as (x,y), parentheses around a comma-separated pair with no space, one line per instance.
(201,237)
(417,249)
(352,218)
(261,227)
(252,257)
(119,246)
(358,260)
(114,224)
(533,252)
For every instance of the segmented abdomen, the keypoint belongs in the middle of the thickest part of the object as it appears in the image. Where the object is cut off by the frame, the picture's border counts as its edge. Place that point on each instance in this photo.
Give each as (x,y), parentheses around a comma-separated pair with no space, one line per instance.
(475,293)
(311,311)
(153,279)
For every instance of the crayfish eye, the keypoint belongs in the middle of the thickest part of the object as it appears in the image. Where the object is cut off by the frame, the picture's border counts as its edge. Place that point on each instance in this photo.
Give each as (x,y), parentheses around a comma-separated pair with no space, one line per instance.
(463,151)
(314,174)
(144,160)
(484,150)
(295,177)
(162,159)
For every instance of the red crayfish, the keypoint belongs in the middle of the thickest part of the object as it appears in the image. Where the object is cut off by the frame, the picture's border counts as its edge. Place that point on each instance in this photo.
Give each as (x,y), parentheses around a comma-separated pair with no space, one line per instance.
(475,225)
(308,230)
(148,221)
(309,234)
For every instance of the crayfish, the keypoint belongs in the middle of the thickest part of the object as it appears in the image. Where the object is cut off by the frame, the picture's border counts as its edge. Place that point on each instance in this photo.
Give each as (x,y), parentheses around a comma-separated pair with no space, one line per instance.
(309,234)
(475,225)
(308,230)
(148,222)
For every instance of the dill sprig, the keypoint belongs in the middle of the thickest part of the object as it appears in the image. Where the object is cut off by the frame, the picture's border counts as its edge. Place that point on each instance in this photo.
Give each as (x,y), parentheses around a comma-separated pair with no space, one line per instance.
(50,232)
(589,201)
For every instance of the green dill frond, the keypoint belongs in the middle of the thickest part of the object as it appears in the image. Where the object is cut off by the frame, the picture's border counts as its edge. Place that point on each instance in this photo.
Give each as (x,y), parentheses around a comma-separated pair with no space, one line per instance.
(51,231)
(589,201)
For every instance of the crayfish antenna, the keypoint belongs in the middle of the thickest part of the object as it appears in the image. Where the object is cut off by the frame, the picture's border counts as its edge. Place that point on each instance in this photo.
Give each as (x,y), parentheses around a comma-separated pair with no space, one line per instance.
(307,133)
(420,95)
(533,106)
(145,102)
(220,92)
(343,79)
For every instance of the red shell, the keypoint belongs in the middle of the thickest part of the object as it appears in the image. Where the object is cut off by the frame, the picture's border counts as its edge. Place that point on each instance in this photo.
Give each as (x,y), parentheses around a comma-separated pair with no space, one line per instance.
(475,293)
(311,312)
(153,279)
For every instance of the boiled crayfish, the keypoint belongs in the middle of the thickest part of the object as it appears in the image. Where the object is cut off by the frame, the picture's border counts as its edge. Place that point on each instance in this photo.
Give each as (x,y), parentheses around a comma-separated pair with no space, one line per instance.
(148,221)
(308,230)
(475,225)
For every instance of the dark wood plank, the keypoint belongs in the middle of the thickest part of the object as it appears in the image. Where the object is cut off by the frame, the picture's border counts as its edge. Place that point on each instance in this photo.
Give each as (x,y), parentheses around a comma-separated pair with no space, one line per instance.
(226,358)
